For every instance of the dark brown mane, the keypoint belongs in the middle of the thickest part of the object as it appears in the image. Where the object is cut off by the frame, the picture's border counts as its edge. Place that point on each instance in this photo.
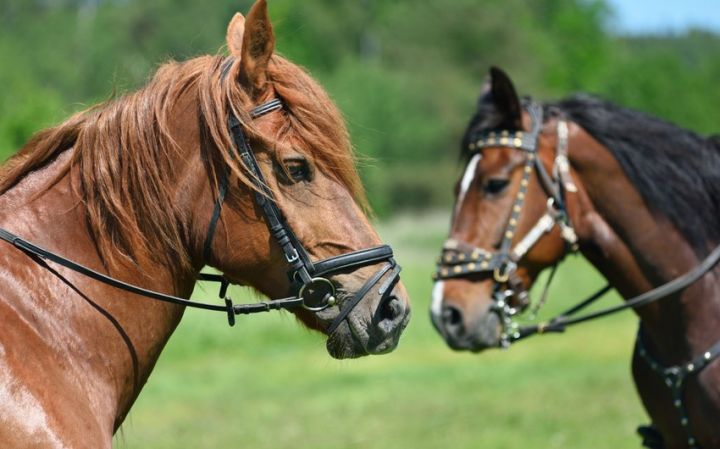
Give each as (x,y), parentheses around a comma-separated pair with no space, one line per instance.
(676,171)
(122,151)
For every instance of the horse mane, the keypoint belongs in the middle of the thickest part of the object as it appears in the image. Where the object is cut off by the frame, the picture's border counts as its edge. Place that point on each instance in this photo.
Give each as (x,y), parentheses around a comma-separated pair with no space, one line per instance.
(123,151)
(676,171)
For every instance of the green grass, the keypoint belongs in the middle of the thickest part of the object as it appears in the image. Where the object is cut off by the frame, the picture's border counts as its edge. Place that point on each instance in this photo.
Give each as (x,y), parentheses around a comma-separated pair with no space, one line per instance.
(268,383)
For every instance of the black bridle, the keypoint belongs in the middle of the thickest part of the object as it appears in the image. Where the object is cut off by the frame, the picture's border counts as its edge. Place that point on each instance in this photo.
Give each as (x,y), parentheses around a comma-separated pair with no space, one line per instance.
(312,289)
(460,260)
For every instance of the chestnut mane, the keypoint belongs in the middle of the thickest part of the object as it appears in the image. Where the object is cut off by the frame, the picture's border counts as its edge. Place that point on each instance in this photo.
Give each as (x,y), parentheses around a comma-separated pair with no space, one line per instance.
(122,151)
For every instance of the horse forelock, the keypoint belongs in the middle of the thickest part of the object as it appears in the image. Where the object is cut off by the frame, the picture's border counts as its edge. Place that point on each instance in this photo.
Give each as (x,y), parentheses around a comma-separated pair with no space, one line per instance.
(316,121)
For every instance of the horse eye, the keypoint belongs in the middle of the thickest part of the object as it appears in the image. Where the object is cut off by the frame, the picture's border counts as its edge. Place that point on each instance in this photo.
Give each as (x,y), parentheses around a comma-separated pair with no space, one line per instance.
(495,186)
(298,170)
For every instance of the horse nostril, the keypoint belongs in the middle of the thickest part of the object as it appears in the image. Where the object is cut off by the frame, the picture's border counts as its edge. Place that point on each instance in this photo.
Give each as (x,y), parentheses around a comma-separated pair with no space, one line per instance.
(452,315)
(390,309)
(389,320)
(453,320)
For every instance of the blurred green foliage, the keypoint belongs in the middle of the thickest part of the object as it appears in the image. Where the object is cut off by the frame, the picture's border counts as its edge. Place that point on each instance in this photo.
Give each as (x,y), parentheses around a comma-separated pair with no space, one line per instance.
(405,73)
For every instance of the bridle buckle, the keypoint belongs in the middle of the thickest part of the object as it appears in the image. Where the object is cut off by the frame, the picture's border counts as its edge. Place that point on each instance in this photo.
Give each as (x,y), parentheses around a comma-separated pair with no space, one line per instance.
(292,256)
(502,273)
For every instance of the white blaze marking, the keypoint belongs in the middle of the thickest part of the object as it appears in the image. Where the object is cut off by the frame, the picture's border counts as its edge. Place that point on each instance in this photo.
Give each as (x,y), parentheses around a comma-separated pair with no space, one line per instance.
(467,180)
(437,292)
(437,300)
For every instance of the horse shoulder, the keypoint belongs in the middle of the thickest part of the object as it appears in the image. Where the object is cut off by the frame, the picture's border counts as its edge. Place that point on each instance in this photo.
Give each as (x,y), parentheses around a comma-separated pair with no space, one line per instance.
(43,402)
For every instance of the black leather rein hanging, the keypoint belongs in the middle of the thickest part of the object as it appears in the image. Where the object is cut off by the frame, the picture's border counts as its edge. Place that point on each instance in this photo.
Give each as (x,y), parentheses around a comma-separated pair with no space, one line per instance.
(313,290)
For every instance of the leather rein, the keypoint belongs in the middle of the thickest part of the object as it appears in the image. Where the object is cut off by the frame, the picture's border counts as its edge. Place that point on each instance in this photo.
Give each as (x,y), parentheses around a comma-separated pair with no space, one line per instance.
(309,280)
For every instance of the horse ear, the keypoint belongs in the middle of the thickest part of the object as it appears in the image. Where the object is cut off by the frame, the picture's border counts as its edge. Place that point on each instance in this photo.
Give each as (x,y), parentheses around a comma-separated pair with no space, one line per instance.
(499,94)
(258,43)
(485,98)
(235,33)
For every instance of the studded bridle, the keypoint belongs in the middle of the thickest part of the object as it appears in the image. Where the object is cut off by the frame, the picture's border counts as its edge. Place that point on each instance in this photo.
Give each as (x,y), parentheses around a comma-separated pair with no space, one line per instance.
(460,259)
(312,288)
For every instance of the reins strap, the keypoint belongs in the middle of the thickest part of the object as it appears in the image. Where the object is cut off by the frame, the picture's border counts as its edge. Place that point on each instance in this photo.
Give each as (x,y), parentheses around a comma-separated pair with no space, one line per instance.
(587,302)
(560,322)
(34,250)
(546,290)
(229,308)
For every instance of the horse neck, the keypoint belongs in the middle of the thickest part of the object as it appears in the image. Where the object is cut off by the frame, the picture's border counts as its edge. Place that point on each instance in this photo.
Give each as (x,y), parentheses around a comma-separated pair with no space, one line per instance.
(636,250)
(122,333)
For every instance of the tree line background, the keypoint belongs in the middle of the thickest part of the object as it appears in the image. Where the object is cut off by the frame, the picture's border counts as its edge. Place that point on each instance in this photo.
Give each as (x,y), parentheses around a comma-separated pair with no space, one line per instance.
(405,73)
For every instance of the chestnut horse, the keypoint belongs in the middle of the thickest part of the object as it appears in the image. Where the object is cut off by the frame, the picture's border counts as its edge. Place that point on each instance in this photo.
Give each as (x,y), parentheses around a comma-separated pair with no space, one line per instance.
(638,197)
(134,190)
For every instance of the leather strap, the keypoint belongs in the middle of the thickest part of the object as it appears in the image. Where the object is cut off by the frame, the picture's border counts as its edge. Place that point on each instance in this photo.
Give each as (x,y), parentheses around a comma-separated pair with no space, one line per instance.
(675,378)
(295,254)
(562,321)
(359,295)
(353,259)
(259,111)
(212,227)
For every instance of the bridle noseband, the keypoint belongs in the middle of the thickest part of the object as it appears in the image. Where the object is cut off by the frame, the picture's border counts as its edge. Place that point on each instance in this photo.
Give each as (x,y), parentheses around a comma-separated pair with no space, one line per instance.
(460,259)
(312,288)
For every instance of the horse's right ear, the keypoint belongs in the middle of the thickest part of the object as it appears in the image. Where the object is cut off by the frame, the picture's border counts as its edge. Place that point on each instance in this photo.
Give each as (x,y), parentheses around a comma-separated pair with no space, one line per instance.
(499,95)
(258,44)
(252,41)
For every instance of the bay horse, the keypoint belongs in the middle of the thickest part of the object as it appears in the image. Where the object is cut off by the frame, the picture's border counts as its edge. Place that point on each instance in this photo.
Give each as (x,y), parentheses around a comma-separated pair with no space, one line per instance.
(241,163)
(637,196)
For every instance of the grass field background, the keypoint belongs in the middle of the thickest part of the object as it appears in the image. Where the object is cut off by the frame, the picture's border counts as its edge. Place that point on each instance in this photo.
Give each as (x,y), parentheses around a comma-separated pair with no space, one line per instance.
(268,382)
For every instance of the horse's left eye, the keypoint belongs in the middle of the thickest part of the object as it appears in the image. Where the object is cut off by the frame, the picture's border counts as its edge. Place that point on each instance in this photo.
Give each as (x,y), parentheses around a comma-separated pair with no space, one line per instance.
(495,186)
(298,170)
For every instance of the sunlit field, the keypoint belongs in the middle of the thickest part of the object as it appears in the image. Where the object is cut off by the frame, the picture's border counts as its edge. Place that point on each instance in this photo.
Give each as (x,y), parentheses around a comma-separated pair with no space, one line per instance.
(268,382)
